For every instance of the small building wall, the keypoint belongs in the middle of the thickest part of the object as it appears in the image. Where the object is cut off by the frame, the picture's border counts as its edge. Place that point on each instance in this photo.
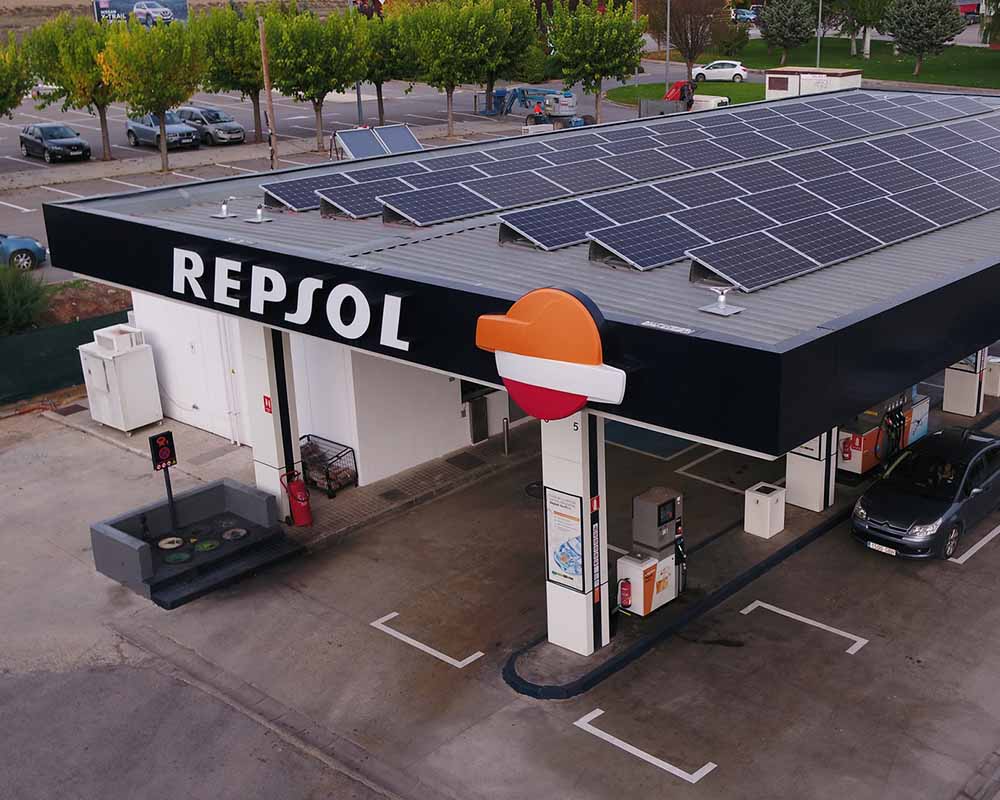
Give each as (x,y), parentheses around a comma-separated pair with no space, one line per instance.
(784,82)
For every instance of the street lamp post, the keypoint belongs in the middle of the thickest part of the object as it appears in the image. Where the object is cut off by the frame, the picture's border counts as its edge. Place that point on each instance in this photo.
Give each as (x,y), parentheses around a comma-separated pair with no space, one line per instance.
(819,28)
(666,55)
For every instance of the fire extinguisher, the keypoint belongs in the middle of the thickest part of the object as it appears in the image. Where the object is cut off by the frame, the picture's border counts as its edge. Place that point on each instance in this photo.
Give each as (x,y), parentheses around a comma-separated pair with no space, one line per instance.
(298,499)
(625,593)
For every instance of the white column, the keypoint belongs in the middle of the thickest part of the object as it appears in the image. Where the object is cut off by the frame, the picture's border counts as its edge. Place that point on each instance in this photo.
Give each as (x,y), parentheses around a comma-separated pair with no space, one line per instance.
(811,472)
(272,418)
(963,385)
(577,599)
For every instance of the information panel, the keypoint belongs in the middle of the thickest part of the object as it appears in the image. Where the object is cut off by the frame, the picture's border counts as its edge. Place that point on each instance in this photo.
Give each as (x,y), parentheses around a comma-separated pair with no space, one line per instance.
(147,12)
(564,538)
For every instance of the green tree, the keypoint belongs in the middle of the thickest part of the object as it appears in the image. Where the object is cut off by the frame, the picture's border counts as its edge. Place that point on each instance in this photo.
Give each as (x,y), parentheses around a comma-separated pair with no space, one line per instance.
(311,57)
(691,28)
(787,24)
(65,53)
(729,38)
(991,22)
(513,24)
(15,76)
(388,58)
(869,16)
(923,28)
(591,46)
(153,69)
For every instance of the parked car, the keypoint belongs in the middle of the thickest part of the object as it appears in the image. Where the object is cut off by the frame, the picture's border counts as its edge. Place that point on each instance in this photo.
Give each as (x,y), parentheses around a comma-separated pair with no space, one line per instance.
(149,12)
(214,126)
(721,71)
(930,495)
(53,141)
(21,252)
(146,130)
(744,15)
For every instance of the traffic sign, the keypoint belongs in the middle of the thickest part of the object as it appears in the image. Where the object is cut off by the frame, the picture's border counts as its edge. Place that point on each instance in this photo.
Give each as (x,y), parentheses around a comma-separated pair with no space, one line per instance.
(161,448)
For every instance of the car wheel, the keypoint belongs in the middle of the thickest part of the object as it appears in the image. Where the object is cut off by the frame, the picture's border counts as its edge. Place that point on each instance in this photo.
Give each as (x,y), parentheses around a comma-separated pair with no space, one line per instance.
(699,77)
(23,260)
(951,542)
(24,150)
(206,138)
(737,79)
(132,140)
(47,156)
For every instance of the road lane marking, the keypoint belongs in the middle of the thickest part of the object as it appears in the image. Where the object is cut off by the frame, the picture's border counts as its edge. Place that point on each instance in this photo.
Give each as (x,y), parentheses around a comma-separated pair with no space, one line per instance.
(683,471)
(61,191)
(424,116)
(691,777)
(671,457)
(22,209)
(989,537)
(380,624)
(189,177)
(125,183)
(296,163)
(238,169)
(858,641)
(29,163)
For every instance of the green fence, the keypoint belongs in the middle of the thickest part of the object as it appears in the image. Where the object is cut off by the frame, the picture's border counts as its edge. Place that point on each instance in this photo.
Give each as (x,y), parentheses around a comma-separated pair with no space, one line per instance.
(46,359)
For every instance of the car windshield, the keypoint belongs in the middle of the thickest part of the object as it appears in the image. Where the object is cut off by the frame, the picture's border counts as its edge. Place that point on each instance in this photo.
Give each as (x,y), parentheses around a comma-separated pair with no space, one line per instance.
(58,132)
(171,118)
(211,115)
(926,473)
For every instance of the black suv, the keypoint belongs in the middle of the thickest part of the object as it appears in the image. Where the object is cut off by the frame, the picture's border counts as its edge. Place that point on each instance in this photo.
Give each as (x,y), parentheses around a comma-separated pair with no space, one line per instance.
(931,493)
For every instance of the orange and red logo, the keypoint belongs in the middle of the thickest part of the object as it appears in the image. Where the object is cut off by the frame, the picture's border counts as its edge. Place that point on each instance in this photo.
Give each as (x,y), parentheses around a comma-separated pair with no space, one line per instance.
(550,355)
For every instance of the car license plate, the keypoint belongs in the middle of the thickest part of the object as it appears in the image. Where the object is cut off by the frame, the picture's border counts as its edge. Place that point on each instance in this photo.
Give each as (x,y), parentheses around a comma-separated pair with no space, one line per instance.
(887,550)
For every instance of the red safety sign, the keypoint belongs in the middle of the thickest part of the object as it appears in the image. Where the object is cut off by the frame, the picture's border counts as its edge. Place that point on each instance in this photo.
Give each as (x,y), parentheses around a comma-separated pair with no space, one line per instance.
(267,404)
(161,448)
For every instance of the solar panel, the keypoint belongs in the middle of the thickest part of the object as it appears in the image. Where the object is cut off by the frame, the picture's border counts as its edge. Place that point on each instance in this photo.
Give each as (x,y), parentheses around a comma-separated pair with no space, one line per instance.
(936,110)
(646,164)
(360,200)
(437,204)
(725,220)
(398,139)
(825,239)
(680,137)
(700,190)
(993,121)
(902,146)
(906,116)
(939,137)
(795,136)
(300,194)
(778,121)
(859,155)
(750,145)
(808,115)
(858,98)
(388,171)
(977,187)
(993,142)
(629,205)
(618,134)
(791,109)
(702,154)
(835,129)
(513,165)
(361,143)
(832,103)
(710,120)
(753,261)
(937,204)
(788,203)
(939,166)
(872,122)
(443,176)
(508,191)
(885,220)
(973,129)
(576,154)
(457,160)
(760,176)
(585,176)
(756,114)
(519,151)
(732,129)
(893,177)
(878,105)
(907,99)
(647,243)
(570,142)
(554,226)
(977,154)
(631,145)
(967,105)
(811,165)
(844,190)
(673,126)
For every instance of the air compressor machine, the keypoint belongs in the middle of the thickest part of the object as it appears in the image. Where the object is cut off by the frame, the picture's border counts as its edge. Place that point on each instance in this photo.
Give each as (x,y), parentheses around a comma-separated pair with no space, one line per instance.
(654,573)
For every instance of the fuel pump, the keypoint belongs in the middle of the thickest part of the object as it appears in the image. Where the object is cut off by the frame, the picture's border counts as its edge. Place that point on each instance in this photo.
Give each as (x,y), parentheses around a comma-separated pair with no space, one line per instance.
(655,572)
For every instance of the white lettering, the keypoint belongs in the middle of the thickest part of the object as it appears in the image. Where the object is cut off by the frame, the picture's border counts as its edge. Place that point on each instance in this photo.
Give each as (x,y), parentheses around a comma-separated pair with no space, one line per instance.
(224,267)
(188,267)
(266,286)
(304,309)
(390,323)
(335,308)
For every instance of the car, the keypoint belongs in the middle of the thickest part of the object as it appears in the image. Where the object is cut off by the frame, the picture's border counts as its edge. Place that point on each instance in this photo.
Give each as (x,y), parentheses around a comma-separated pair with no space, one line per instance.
(146,130)
(972,17)
(21,252)
(149,12)
(721,71)
(214,126)
(53,141)
(932,493)
(744,15)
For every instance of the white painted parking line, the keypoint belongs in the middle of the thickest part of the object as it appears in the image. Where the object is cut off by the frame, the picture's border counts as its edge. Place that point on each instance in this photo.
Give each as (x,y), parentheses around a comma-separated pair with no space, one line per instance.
(858,641)
(238,169)
(125,183)
(691,777)
(684,471)
(296,163)
(25,161)
(422,116)
(671,457)
(380,624)
(188,177)
(989,537)
(22,209)
(61,191)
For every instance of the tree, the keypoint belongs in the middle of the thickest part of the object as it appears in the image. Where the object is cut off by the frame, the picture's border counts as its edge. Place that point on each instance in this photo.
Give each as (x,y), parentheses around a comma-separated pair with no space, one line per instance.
(65,53)
(655,12)
(311,57)
(513,25)
(691,28)
(591,46)
(787,24)
(729,38)
(868,15)
(388,58)
(923,28)
(153,69)
(991,22)
(15,77)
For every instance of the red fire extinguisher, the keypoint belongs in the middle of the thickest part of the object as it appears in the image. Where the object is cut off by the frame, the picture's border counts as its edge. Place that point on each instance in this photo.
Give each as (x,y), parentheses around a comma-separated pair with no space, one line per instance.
(625,593)
(298,499)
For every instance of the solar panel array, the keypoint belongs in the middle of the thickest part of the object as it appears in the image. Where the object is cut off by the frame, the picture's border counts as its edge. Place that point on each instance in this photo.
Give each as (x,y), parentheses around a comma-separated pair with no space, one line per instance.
(379,141)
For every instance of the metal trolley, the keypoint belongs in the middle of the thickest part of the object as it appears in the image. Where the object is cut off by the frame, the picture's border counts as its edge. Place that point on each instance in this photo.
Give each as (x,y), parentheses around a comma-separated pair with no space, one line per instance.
(327,465)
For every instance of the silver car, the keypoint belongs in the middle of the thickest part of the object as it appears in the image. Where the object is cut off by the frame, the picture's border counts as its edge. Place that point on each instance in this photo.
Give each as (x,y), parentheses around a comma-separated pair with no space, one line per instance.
(149,12)
(214,126)
(146,130)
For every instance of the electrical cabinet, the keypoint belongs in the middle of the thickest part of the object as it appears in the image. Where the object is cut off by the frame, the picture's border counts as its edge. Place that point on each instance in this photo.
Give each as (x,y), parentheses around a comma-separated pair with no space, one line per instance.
(121,379)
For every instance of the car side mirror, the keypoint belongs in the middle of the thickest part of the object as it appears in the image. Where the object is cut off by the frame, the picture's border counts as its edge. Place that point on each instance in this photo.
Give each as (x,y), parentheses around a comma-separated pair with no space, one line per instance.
(976,490)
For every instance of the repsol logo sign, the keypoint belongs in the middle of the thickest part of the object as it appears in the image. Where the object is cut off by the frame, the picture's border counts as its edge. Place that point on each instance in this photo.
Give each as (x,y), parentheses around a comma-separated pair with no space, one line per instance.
(348,310)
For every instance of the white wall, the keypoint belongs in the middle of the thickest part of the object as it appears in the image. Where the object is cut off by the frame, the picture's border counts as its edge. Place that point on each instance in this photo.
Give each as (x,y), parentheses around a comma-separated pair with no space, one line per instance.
(405,415)
(196,353)
(324,389)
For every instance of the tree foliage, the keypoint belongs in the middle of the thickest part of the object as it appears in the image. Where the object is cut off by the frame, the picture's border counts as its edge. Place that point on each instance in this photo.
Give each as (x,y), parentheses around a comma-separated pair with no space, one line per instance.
(787,24)
(691,28)
(922,28)
(729,38)
(592,46)
(23,299)
(991,22)
(15,76)
(387,58)
(868,15)
(513,25)
(153,69)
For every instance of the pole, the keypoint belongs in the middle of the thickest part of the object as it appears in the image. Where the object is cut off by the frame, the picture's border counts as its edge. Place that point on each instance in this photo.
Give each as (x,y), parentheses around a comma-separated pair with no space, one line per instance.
(357,84)
(819,29)
(506,436)
(272,136)
(666,56)
(170,500)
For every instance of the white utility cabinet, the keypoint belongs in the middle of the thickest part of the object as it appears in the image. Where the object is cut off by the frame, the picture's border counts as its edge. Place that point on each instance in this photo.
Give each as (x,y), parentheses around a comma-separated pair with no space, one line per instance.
(121,379)
(764,510)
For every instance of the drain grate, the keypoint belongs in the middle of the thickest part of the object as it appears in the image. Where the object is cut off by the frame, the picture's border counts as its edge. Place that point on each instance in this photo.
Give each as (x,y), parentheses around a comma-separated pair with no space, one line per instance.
(66,411)
(394,495)
(465,461)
